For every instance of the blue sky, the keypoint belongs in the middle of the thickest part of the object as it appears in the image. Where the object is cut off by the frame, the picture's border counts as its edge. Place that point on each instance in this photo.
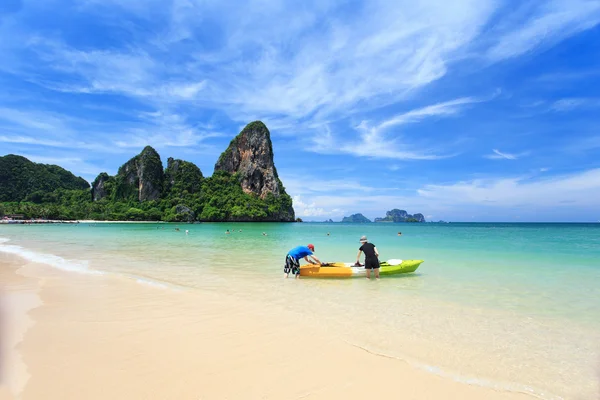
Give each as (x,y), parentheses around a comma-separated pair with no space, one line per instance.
(470,110)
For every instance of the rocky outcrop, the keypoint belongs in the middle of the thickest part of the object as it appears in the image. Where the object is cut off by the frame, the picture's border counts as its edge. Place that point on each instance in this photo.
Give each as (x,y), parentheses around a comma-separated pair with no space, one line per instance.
(418,217)
(250,154)
(250,157)
(244,187)
(99,189)
(184,213)
(356,218)
(397,215)
(141,177)
(182,176)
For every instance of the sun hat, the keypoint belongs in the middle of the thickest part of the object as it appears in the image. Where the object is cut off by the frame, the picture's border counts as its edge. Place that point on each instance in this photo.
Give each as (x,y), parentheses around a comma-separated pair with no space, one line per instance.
(363,238)
(311,246)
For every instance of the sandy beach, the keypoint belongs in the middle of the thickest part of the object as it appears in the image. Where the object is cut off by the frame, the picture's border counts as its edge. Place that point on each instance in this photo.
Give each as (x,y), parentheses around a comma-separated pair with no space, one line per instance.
(74,336)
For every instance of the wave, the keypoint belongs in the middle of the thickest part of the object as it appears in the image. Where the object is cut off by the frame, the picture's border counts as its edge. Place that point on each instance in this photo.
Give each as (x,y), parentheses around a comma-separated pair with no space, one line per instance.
(152,283)
(48,259)
(79,266)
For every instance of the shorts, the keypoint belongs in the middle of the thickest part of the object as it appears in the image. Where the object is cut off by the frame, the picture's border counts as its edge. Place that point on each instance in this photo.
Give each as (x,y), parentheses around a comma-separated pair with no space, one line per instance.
(371,263)
(291,265)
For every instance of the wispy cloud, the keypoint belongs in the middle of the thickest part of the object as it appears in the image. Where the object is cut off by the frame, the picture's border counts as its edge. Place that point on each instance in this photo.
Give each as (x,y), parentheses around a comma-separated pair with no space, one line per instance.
(498,155)
(165,129)
(399,47)
(378,141)
(160,129)
(574,103)
(548,23)
(586,144)
(567,76)
(30,140)
(308,62)
(441,109)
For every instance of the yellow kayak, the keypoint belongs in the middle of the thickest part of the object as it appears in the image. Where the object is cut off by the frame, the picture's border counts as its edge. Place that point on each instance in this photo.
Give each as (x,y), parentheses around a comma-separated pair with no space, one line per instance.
(348,270)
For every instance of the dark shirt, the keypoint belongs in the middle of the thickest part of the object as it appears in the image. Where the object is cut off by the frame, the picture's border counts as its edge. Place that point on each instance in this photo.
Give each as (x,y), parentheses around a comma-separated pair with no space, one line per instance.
(368,249)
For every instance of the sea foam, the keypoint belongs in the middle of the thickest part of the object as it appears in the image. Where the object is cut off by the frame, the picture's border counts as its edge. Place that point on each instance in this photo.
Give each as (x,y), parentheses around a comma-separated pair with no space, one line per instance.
(48,259)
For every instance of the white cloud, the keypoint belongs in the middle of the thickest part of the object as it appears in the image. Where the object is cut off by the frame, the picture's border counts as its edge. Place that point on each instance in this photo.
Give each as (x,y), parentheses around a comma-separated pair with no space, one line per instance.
(159,129)
(310,185)
(311,210)
(578,190)
(549,23)
(441,109)
(164,129)
(305,60)
(36,120)
(573,103)
(451,201)
(311,60)
(498,155)
(30,140)
(335,198)
(377,141)
(132,73)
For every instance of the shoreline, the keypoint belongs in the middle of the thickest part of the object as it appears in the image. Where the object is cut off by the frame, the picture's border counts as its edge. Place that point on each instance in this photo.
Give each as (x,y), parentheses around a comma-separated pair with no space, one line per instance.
(109,329)
(91,221)
(86,221)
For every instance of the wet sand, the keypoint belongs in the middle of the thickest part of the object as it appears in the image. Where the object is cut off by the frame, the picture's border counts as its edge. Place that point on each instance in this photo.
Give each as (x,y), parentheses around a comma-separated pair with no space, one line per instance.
(77,336)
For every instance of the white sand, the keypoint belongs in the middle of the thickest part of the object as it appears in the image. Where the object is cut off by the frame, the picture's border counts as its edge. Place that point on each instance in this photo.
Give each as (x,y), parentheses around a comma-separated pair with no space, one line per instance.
(101,337)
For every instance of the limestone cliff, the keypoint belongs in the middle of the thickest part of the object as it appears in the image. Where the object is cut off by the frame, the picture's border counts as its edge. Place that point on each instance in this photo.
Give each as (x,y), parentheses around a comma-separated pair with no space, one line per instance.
(250,157)
(418,217)
(100,188)
(141,177)
(181,177)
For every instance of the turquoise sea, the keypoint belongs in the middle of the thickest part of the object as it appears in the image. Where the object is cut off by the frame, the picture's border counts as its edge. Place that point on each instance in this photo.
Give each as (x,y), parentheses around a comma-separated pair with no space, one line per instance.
(511,306)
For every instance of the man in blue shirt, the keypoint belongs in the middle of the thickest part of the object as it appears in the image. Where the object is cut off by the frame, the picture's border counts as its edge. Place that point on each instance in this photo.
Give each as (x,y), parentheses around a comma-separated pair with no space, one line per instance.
(292,259)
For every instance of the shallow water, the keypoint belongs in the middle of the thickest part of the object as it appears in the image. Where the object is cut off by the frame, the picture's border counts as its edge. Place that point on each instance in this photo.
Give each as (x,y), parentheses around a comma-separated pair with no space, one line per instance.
(513,306)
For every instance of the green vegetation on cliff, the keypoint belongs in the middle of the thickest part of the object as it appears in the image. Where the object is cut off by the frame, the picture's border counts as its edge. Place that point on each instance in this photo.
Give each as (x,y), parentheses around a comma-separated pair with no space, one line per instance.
(21,179)
(220,198)
(143,191)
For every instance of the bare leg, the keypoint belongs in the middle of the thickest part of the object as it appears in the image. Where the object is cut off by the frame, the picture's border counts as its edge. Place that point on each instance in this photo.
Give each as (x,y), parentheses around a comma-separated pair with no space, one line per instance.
(368,273)
(287,275)
(376,273)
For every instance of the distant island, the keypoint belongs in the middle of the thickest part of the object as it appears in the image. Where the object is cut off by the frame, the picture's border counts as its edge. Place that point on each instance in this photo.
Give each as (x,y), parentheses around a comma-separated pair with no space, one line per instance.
(245,186)
(394,215)
(397,215)
(356,218)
